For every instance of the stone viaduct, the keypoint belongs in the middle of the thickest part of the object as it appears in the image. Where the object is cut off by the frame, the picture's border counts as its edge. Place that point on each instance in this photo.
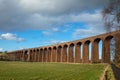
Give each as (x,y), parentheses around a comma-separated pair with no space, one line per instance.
(73,52)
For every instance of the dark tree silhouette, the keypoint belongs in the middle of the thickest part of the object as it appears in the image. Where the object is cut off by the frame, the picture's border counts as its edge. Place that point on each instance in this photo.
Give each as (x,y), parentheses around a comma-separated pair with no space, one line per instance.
(111,19)
(111,15)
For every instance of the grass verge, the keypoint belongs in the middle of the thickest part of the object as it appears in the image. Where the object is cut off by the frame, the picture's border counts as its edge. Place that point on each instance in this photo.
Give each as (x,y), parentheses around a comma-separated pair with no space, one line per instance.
(50,71)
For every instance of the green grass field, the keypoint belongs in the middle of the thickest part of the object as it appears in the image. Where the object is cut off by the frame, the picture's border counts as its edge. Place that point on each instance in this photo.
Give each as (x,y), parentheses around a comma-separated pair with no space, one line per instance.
(49,71)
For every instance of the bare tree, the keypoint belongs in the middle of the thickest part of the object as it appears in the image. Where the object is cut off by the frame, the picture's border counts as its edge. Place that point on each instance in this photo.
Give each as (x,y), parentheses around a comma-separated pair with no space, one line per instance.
(111,19)
(111,15)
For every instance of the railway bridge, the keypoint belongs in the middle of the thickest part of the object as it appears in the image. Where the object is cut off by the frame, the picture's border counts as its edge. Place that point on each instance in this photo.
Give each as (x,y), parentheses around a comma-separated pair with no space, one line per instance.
(77,51)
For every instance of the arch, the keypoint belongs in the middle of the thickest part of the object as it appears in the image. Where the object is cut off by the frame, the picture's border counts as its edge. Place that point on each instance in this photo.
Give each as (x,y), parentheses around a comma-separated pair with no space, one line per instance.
(106,49)
(108,38)
(41,54)
(34,57)
(17,56)
(86,51)
(64,53)
(26,55)
(31,55)
(54,54)
(96,50)
(78,52)
(37,55)
(45,55)
(22,56)
(59,50)
(112,50)
(49,54)
(71,52)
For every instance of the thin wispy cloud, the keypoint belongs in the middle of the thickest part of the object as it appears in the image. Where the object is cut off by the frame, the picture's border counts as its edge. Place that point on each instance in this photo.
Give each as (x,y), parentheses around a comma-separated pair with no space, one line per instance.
(51,42)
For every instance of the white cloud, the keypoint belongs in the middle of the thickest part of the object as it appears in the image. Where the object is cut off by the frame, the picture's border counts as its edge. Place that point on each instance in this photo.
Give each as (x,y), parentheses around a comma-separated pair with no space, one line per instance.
(88,32)
(87,17)
(21,48)
(10,36)
(93,25)
(55,29)
(46,32)
(54,42)
(1,49)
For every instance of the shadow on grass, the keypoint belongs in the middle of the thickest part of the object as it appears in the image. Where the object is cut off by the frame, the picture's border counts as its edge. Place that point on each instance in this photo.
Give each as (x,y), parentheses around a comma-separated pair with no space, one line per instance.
(116,71)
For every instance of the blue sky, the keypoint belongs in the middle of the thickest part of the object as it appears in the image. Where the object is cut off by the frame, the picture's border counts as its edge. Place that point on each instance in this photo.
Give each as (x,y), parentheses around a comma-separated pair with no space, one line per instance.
(34,23)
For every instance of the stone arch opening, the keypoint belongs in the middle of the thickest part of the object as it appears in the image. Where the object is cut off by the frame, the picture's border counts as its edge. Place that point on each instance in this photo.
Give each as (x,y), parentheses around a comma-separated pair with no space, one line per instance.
(71,52)
(97,50)
(34,55)
(109,49)
(65,53)
(78,52)
(17,56)
(100,51)
(49,54)
(87,51)
(31,56)
(41,54)
(45,55)
(90,52)
(26,55)
(37,55)
(59,53)
(112,49)
(54,54)
(22,54)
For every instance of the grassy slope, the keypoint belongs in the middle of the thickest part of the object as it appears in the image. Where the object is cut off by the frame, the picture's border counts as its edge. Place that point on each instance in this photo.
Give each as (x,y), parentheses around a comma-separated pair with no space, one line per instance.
(49,71)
